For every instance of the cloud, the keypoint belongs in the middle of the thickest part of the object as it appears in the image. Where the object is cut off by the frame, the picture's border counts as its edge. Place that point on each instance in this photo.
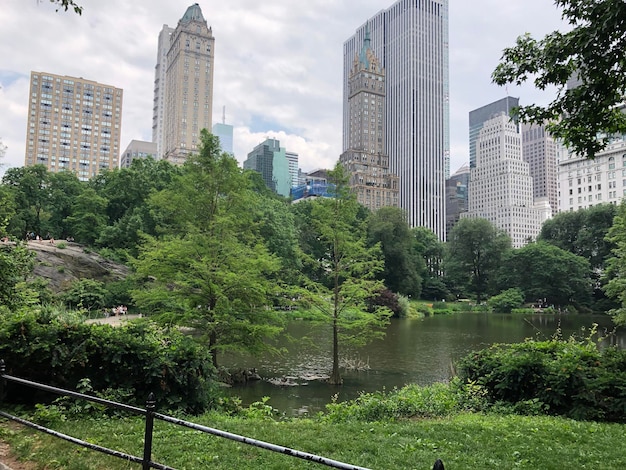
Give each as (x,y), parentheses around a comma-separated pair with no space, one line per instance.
(278,59)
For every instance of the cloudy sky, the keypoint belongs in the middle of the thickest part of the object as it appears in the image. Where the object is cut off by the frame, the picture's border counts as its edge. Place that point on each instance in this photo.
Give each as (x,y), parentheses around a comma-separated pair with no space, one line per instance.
(278,65)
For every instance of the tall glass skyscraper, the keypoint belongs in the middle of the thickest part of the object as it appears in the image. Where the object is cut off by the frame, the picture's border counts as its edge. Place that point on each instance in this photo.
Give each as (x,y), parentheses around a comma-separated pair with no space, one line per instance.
(410,38)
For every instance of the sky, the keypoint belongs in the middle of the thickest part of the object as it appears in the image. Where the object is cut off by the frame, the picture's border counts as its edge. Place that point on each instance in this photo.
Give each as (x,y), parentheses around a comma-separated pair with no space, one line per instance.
(278,64)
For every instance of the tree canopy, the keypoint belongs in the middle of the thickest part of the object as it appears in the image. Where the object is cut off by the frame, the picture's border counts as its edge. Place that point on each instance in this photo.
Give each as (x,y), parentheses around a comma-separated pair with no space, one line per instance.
(585,117)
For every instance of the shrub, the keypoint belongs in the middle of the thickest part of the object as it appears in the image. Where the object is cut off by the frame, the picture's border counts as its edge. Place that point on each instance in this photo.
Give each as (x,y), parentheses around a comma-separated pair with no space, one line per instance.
(138,357)
(568,378)
(506,300)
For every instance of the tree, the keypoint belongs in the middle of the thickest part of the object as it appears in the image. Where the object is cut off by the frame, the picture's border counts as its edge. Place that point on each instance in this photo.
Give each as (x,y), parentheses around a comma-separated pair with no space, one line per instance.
(347,270)
(428,247)
(615,274)
(473,254)
(582,232)
(587,116)
(544,271)
(88,217)
(16,263)
(29,186)
(401,274)
(208,267)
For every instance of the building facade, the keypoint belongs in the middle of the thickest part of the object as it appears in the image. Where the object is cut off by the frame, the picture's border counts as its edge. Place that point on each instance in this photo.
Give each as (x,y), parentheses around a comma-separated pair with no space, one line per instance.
(478,118)
(583,183)
(158,107)
(456,196)
(539,151)
(224,132)
(410,38)
(365,161)
(183,100)
(500,186)
(270,160)
(294,168)
(137,149)
(73,124)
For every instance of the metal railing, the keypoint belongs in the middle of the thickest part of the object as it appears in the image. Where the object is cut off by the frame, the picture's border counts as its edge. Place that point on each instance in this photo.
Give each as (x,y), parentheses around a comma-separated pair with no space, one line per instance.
(150,415)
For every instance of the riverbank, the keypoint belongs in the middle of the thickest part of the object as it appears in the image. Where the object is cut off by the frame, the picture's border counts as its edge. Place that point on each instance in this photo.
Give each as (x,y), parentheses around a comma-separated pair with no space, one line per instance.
(462,441)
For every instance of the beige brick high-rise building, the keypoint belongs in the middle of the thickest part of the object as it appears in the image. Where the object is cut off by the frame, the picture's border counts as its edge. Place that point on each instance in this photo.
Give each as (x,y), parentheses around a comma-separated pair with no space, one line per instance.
(365,159)
(183,92)
(73,124)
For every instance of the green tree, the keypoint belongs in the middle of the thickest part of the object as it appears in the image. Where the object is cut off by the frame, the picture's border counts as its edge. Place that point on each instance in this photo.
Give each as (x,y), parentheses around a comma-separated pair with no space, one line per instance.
(584,233)
(88,218)
(615,275)
(401,274)
(428,247)
(587,116)
(544,271)
(16,263)
(30,189)
(208,267)
(473,253)
(347,270)
(86,293)
(64,188)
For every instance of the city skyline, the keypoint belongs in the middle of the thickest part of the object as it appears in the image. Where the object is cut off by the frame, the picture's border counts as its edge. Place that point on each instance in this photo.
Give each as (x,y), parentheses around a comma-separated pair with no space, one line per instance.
(298,54)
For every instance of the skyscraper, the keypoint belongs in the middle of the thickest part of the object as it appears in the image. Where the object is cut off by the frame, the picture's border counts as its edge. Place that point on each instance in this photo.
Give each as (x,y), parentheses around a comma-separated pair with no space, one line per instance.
(539,151)
(365,161)
(410,39)
(158,108)
(73,124)
(270,159)
(500,186)
(183,93)
(478,118)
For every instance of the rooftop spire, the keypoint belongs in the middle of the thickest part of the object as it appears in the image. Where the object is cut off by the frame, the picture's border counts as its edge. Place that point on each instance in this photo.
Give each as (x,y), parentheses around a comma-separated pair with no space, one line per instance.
(193,13)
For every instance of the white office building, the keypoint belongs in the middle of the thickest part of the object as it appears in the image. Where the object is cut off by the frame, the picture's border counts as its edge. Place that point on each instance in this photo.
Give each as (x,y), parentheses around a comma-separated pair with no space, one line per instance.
(500,187)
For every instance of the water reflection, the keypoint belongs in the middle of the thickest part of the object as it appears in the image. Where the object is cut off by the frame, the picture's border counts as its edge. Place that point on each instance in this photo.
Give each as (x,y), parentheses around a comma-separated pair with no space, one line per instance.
(413,351)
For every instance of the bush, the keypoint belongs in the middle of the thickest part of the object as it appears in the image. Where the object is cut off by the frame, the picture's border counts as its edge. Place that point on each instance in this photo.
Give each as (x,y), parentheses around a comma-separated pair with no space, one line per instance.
(506,300)
(567,378)
(138,357)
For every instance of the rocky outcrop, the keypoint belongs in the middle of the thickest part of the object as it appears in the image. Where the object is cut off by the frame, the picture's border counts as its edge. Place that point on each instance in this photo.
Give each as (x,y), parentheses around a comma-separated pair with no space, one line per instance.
(62,263)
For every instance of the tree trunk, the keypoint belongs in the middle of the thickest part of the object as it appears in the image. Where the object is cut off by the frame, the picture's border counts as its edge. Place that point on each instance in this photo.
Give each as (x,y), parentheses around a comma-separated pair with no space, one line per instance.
(335,376)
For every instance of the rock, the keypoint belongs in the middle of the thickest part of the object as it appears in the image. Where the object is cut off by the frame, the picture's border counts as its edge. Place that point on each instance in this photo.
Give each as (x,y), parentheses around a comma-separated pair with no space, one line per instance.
(62,266)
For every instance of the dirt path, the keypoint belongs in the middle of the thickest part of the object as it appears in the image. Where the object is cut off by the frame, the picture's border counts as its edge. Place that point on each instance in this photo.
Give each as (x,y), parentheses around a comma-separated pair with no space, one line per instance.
(115,321)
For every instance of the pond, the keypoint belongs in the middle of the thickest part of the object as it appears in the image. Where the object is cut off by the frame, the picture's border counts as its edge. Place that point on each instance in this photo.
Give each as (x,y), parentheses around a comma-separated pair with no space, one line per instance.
(413,351)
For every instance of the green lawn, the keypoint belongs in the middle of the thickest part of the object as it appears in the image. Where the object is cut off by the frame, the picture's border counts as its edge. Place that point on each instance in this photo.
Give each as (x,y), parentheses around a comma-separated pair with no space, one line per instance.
(463,441)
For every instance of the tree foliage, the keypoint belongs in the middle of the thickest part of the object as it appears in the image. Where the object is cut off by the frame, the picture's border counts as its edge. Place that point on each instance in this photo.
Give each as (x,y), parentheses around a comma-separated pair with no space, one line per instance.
(615,275)
(544,271)
(403,268)
(587,116)
(16,263)
(473,253)
(346,269)
(208,267)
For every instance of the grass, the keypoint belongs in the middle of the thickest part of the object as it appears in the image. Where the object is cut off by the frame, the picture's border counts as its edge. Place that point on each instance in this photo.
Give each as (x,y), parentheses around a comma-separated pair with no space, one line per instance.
(462,441)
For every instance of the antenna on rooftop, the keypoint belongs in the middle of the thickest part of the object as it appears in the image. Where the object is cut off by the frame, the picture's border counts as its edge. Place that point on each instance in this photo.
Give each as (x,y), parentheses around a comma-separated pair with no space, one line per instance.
(223,114)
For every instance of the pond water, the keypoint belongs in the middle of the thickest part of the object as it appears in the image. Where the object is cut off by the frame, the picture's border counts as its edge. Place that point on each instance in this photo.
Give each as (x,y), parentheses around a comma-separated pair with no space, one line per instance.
(413,351)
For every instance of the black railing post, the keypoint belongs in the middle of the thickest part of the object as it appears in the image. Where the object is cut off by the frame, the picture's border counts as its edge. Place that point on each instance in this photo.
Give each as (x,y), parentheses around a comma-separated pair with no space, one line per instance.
(147,440)
(438,465)
(3,381)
